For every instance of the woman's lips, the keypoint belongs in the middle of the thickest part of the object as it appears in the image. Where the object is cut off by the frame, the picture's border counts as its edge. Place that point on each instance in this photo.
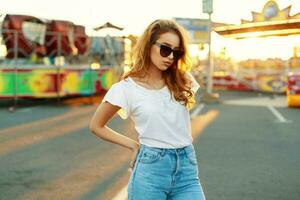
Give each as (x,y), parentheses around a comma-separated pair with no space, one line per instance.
(167,63)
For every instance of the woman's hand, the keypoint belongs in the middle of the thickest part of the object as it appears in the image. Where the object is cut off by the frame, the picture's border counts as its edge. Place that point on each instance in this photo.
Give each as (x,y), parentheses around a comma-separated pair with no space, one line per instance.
(134,154)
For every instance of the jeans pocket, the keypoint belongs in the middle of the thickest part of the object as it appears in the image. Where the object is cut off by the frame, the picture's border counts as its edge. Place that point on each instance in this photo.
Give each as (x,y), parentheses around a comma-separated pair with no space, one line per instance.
(148,156)
(191,155)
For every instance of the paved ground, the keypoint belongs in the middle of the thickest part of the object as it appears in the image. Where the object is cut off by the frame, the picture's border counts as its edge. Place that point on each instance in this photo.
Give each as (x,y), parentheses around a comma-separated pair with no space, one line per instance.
(250,151)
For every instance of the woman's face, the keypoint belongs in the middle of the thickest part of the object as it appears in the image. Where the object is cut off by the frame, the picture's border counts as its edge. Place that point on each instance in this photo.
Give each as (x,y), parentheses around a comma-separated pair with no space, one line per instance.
(163,62)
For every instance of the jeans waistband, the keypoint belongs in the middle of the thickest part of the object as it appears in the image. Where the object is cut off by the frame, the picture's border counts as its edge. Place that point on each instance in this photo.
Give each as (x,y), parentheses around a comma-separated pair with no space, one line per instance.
(185,149)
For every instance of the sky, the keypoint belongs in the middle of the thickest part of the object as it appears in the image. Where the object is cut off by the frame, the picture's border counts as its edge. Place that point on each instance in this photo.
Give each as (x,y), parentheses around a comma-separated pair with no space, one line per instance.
(135,15)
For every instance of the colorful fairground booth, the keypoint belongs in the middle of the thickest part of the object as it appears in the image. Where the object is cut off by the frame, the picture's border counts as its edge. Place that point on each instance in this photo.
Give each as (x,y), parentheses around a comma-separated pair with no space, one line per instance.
(51,58)
(270,74)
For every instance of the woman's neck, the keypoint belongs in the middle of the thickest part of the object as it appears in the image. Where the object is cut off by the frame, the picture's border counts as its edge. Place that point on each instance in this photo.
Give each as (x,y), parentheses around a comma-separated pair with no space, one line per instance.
(153,79)
(154,74)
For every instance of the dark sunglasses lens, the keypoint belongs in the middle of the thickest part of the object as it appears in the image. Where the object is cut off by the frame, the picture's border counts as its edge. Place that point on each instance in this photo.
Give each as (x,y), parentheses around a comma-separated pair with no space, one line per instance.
(177,54)
(165,51)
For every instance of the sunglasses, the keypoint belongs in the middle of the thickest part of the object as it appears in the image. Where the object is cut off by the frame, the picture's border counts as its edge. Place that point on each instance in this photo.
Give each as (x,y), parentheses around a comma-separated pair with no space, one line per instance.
(165,51)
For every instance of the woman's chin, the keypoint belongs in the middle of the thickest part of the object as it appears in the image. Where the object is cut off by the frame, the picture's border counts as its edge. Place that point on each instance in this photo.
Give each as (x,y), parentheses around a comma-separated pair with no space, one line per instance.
(164,67)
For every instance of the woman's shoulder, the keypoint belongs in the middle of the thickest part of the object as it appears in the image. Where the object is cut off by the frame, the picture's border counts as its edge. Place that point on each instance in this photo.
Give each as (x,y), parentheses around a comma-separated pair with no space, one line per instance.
(123,83)
(131,81)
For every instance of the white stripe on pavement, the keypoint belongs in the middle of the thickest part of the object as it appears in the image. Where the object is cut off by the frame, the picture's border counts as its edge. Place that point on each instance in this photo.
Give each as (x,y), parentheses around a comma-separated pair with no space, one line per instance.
(197,110)
(122,194)
(277,114)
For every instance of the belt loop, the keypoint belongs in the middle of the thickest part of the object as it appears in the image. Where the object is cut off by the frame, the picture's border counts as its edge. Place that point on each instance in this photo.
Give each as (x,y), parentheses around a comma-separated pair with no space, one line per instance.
(177,163)
(142,147)
(163,152)
(185,150)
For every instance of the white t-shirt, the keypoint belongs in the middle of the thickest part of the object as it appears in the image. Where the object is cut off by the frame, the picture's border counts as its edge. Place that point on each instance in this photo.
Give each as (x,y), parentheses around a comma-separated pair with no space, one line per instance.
(160,120)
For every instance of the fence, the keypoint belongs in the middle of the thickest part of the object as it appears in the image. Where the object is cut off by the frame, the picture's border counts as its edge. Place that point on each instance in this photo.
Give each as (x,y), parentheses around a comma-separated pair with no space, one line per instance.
(58,67)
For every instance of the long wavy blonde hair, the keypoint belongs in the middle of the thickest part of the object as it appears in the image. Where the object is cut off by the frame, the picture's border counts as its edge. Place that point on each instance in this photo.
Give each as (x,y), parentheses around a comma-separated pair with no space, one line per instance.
(174,76)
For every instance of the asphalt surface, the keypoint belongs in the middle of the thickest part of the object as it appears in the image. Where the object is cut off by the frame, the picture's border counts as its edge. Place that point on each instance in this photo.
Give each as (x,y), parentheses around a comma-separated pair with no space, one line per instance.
(247,152)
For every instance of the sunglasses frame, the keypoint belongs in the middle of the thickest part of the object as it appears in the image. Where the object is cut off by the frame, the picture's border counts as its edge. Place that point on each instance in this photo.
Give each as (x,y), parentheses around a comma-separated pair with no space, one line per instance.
(177,53)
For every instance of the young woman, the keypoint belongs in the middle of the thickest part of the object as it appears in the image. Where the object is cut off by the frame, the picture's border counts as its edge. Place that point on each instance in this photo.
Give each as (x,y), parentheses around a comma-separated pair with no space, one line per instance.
(156,93)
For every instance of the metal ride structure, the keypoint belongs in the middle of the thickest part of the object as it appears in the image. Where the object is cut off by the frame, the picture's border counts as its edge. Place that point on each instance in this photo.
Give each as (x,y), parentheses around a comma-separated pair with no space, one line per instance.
(53,59)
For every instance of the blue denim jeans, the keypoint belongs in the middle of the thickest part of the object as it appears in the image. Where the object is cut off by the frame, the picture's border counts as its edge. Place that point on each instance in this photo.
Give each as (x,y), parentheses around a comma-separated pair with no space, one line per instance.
(165,174)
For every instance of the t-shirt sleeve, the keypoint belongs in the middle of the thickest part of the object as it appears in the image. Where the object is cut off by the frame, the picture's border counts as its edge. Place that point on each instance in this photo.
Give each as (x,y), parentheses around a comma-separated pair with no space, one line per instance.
(194,84)
(118,96)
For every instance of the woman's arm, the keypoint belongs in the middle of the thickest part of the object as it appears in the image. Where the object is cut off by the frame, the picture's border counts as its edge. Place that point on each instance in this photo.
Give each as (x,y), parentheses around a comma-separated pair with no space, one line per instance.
(98,126)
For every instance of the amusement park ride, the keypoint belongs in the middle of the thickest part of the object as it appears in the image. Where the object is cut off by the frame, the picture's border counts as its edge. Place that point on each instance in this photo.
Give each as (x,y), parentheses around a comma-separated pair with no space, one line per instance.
(52,58)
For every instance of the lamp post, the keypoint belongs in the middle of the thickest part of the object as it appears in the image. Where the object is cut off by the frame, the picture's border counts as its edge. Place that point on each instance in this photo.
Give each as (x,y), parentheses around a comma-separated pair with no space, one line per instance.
(210,59)
(207,7)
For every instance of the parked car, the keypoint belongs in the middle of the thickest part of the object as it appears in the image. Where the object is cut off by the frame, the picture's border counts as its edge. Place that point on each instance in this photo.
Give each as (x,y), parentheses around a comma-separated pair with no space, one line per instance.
(293,90)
